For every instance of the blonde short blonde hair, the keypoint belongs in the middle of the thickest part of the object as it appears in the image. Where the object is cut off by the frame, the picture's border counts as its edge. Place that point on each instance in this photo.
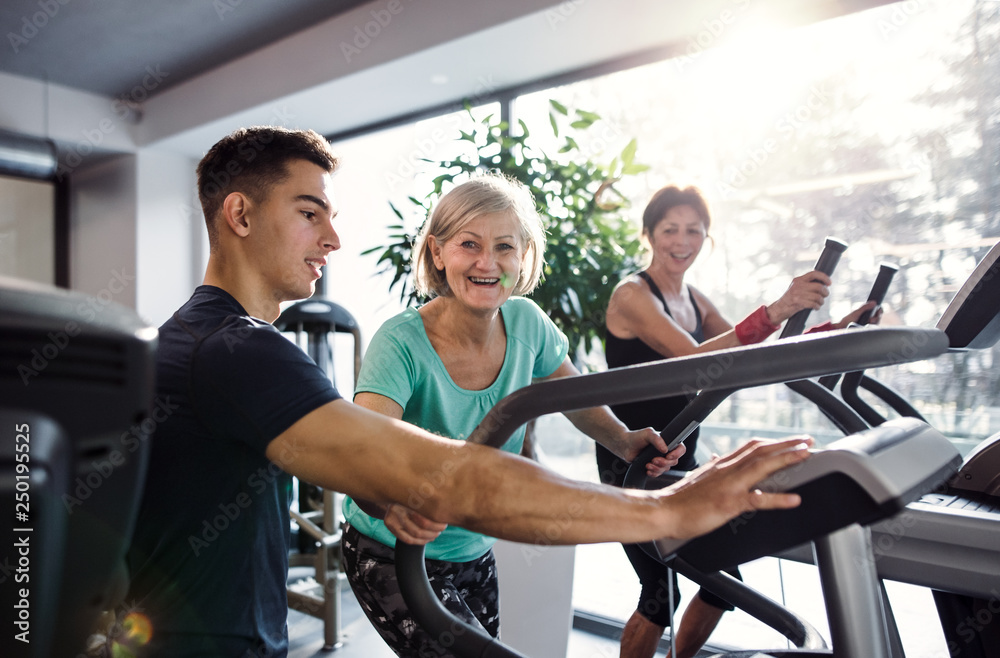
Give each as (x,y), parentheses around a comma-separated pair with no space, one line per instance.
(483,195)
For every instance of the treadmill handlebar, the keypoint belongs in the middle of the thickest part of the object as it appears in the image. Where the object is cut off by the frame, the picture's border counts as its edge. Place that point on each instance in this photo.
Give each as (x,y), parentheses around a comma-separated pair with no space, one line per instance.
(799,357)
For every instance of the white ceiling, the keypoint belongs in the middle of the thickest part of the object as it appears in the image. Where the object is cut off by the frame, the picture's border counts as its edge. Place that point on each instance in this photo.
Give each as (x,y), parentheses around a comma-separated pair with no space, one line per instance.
(198,73)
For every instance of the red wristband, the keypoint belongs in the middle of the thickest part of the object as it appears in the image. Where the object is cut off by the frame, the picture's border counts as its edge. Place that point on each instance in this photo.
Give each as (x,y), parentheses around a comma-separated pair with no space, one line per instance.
(822,326)
(755,327)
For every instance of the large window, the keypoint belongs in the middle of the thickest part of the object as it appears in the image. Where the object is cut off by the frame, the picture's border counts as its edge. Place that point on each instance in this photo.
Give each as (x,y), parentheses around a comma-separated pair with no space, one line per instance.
(27,230)
(890,143)
(880,128)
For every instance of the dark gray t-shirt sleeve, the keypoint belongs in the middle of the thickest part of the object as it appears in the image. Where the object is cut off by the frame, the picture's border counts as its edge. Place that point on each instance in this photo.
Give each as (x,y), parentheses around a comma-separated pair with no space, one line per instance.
(252,383)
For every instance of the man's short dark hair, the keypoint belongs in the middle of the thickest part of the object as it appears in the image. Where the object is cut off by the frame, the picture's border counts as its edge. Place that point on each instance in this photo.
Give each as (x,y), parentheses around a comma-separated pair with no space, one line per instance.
(253,160)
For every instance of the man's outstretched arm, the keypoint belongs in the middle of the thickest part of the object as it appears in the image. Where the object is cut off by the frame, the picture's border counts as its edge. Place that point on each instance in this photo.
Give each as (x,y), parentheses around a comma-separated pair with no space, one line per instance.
(347,448)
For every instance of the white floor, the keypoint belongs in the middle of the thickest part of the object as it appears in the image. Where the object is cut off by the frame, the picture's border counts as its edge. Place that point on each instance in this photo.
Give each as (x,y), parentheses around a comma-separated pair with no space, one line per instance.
(614,596)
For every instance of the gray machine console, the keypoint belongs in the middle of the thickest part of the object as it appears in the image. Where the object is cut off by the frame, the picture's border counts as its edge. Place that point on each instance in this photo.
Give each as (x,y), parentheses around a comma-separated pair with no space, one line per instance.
(862,478)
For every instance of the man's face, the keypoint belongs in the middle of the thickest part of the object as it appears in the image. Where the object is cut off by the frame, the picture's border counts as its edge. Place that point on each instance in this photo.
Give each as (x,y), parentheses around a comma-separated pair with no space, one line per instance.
(292,232)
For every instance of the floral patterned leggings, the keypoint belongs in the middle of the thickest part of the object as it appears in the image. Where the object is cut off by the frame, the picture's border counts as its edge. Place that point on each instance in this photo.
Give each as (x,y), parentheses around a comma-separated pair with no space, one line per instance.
(469,590)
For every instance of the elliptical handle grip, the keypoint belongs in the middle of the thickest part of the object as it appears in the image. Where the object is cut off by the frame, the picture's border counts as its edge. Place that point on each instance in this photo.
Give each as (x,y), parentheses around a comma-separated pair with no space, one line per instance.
(885,273)
(826,264)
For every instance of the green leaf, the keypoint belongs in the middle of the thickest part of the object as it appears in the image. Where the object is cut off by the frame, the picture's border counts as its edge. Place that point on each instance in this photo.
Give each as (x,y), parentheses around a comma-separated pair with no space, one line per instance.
(558,107)
(574,301)
(524,131)
(631,170)
(628,153)
(588,116)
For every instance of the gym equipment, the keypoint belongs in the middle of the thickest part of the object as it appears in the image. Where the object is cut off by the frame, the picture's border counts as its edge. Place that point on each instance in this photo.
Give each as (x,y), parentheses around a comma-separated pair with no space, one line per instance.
(794,358)
(319,527)
(77,391)
(926,544)
(949,540)
(886,272)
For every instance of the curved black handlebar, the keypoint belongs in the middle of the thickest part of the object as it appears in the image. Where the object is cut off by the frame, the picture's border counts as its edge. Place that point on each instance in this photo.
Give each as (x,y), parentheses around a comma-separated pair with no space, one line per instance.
(450,632)
(800,357)
(852,380)
(801,633)
(691,416)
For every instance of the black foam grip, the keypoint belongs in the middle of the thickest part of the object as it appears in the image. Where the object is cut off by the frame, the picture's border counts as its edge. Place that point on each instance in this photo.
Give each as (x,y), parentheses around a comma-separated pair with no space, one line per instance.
(826,264)
(885,273)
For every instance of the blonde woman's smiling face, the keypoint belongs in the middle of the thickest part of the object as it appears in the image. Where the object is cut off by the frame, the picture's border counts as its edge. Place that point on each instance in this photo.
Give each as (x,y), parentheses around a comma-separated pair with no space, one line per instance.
(482,261)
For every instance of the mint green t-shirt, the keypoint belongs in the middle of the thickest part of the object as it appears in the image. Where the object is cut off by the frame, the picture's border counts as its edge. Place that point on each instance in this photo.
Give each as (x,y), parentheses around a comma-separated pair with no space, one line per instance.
(401,364)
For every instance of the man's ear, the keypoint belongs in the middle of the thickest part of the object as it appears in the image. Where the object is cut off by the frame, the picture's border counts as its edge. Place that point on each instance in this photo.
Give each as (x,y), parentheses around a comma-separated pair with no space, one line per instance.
(235,213)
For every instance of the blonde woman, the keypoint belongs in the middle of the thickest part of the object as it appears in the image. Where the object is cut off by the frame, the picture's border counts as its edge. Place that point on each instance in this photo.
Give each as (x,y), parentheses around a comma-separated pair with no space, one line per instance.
(442,367)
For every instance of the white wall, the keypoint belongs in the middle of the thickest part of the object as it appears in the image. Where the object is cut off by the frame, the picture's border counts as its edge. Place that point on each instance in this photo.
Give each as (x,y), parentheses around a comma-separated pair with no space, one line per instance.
(103,230)
(536,597)
(169,233)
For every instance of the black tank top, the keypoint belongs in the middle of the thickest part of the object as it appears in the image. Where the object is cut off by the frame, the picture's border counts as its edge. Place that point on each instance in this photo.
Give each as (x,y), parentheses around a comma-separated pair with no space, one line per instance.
(657,413)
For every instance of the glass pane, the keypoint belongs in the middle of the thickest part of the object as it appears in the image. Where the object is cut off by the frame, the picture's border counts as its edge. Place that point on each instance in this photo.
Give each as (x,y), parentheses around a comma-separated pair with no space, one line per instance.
(27,229)
(880,128)
(889,144)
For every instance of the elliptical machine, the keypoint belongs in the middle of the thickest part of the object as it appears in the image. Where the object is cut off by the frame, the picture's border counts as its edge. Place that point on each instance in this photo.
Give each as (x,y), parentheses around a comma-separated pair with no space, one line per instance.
(862,467)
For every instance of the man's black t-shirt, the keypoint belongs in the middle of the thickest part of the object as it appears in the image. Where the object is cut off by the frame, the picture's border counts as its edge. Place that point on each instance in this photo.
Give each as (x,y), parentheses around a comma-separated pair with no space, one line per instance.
(209,557)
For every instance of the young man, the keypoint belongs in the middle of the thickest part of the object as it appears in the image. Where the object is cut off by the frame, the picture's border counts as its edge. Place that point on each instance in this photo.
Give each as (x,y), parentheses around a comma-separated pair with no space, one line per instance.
(249,410)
